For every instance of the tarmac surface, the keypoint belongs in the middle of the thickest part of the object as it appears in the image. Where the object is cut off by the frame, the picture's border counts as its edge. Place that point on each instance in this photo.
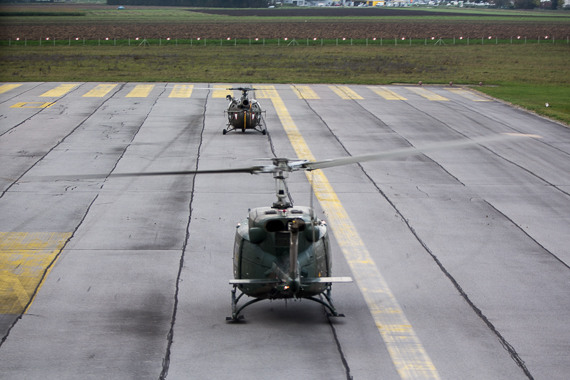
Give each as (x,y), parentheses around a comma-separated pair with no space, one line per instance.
(460,257)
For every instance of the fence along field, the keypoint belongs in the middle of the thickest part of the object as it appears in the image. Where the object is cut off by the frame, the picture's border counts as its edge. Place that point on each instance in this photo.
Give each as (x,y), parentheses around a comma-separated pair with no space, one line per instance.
(286,41)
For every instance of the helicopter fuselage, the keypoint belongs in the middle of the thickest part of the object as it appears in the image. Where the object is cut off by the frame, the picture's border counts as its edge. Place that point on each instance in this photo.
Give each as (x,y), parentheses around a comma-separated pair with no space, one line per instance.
(244,113)
(274,261)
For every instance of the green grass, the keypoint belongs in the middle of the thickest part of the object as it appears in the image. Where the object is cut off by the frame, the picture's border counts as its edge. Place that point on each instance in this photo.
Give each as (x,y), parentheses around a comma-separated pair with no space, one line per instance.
(535,98)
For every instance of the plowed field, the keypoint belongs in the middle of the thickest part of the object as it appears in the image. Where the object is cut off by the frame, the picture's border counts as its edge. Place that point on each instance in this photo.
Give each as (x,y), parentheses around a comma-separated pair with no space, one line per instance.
(281,30)
(353,28)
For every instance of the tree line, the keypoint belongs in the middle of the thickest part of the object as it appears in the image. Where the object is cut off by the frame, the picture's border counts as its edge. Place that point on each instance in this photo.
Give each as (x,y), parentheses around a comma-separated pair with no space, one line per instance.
(196,3)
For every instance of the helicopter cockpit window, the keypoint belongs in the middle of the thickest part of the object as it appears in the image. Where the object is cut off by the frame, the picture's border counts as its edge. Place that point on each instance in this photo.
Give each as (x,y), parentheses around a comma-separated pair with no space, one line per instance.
(275,225)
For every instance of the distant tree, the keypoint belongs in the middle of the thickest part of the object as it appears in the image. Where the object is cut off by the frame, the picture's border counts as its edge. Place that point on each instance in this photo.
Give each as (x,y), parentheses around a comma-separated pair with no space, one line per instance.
(503,3)
(195,3)
(526,4)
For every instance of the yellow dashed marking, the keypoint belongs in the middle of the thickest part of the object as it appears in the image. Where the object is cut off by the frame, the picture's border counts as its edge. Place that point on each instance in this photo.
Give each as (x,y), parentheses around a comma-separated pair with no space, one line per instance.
(221,91)
(25,258)
(140,91)
(305,92)
(397,328)
(386,94)
(7,87)
(387,311)
(60,90)
(427,94)
(265,92)
(468,94)
(345,93)
(100,91)
(407,353)
(181,91)
(33,105)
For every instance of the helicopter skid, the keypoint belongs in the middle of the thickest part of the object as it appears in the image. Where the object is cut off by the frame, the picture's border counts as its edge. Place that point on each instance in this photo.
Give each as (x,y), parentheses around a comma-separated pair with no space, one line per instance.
(231,128)
(236,311)
(236,316)
(328,304)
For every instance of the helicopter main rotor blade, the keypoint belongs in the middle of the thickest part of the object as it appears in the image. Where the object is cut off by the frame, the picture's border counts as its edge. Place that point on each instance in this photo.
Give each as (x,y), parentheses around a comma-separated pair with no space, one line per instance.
(242,88)
(250,170)
(289,165)
(404,152)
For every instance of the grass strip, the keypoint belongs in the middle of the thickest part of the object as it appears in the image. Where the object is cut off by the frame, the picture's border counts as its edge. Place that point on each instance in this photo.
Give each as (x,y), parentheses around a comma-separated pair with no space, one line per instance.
(529,75)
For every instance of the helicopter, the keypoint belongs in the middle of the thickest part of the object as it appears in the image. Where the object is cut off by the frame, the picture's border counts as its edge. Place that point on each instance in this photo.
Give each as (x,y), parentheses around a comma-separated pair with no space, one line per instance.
(283,251)
(244,113)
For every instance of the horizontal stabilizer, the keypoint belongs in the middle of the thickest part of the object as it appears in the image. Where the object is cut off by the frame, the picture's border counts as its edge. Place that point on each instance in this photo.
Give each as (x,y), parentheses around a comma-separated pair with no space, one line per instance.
(325,280)
(304,281)
(244,281)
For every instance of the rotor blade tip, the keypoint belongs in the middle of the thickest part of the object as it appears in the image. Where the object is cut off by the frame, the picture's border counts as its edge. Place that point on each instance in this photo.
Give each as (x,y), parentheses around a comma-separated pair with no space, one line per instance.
(515,134)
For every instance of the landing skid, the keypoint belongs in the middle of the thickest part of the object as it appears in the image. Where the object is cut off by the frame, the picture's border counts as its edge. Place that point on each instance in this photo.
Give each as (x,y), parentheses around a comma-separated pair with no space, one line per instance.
(259,129)
(236,317)
(328,303)
(236,311)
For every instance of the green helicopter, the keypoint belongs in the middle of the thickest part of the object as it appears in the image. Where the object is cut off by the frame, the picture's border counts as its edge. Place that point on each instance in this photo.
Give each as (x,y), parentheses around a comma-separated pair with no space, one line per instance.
(282,251)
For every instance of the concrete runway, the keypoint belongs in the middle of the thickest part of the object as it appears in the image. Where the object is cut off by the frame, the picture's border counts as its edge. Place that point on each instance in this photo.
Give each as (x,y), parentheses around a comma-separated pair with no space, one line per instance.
(460,257)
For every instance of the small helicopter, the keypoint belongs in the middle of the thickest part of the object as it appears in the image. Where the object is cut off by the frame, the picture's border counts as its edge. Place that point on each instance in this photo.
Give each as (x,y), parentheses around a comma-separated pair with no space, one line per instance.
(283,251)
(244,113)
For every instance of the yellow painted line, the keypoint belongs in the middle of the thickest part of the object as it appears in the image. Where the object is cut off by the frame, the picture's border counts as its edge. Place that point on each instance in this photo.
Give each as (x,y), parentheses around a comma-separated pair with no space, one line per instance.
(100,91)
(265,92)
(345,93)
(386,93)
(33,105)
(181,91)
(25,259)
(427,94)
(221,91)
(468,94)
(60,90)
(7,87)
(140,91)
(305,92)
(406,351)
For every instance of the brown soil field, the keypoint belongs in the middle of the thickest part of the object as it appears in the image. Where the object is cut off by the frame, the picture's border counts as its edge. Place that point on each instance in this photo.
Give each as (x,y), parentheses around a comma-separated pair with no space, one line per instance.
(314,29)
(282,30)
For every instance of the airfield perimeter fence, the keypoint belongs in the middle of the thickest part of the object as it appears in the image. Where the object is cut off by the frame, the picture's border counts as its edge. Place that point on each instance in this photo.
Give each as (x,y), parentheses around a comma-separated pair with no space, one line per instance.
(398,41)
